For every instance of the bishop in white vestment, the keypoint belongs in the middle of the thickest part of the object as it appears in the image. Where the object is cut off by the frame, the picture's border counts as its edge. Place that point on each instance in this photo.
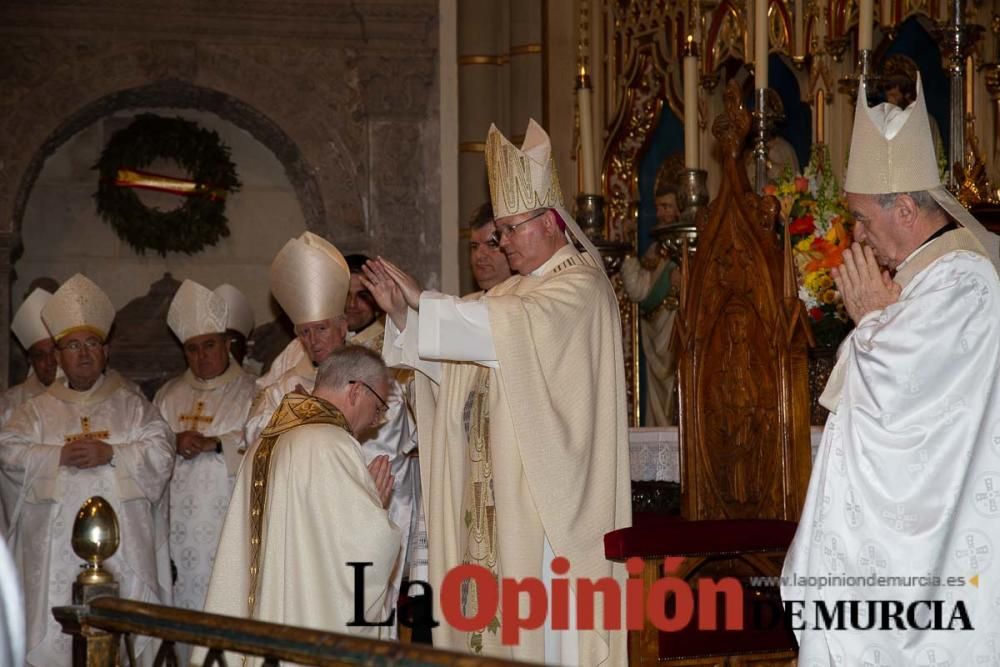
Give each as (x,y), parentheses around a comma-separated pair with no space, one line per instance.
(88,434)
(524,451)
(306,495)
(318,310)
(899,534)
(31,332)
(206,408)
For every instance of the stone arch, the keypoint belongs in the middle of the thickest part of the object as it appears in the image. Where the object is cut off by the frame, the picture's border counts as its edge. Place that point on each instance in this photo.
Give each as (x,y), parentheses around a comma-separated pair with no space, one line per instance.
(182,95)
(54,87)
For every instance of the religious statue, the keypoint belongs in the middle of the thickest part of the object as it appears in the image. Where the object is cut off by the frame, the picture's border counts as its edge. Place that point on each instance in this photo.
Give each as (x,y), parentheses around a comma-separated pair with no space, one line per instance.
(899,85)
(653,283)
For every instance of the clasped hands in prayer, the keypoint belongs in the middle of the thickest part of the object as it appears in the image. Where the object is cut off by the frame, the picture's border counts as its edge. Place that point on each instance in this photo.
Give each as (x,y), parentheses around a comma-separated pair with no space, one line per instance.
(393,289)
(864,286)
(86,453)
(191,443)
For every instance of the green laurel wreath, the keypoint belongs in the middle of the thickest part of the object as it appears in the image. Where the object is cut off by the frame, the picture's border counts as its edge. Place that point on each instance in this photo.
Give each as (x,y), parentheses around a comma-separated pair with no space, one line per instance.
(201,220)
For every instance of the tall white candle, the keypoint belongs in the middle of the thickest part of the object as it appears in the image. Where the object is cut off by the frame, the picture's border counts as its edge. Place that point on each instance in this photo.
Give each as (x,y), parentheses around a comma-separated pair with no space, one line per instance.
(761,43)
(691,157)
(587,161)
(866,15)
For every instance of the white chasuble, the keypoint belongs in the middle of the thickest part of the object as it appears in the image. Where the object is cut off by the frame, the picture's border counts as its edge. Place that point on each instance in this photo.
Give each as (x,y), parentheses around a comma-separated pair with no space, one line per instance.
(10,400)
(396,437)
(201,486)
(308,482)
(905,489)
(526,450)
(49,495)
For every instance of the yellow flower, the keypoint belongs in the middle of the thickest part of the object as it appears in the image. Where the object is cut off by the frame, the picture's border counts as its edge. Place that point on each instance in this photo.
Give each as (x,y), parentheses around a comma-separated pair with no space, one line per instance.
(805,245)
(825,281)
(829,297)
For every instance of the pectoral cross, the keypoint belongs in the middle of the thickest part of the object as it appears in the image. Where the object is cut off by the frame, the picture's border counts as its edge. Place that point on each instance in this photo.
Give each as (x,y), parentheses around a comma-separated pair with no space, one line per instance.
(196,417)
(86,433)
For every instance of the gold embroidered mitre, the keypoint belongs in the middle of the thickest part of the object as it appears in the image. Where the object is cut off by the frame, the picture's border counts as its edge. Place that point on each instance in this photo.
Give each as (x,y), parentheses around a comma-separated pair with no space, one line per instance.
(196,311)
(27,324)
(522,179)
(240,312)
(892,151)
(310,279)
(79,304)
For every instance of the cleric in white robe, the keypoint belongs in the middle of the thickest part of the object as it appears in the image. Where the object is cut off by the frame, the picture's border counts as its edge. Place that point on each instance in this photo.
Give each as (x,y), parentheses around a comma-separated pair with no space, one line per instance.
(903,496)
(306,495)
(88,434)
(206,408)
(311,281)
(34,337)
(524,451)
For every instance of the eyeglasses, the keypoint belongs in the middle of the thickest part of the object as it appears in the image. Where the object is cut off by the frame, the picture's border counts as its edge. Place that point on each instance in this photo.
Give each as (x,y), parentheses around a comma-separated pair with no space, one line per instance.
(498,235)
(75,345)
(385,406)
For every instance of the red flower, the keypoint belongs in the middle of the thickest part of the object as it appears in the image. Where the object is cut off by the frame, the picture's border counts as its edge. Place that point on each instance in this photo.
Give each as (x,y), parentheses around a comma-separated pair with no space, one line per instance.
(816,313)
(802,226)
(801,184)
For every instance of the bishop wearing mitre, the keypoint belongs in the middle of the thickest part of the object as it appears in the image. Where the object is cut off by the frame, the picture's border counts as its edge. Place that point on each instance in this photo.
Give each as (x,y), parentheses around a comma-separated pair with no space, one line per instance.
(89,434)
(206,407)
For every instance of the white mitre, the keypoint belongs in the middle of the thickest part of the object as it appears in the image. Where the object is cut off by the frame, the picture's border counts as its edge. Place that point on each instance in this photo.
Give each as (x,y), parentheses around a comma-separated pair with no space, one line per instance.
(240,312)
(892,150)
(525,179)
(310,279)
(27,324)
(79,305)
(196,311)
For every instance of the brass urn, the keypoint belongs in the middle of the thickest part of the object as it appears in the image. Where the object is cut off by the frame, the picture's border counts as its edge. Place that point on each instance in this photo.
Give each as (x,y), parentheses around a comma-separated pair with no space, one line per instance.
(95,539)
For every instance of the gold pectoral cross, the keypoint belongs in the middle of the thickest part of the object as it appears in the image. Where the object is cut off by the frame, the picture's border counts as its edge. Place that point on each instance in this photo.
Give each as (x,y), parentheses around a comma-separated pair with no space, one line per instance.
(196,418)
(86,433)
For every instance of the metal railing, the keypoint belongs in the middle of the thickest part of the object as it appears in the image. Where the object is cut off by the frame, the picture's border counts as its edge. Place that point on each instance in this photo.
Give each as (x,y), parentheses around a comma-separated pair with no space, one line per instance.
(98,629)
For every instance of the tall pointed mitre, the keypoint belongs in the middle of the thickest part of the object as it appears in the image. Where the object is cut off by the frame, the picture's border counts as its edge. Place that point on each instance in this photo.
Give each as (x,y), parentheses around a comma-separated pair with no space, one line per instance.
(79,305)
(27,324)
(196,311)
(240,312)
(310,279)
(892,150)
(525,179)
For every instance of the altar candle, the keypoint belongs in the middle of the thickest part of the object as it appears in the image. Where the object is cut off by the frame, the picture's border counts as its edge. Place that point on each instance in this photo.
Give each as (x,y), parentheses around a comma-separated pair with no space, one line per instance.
(691,157)
(970,85)
(866,15)
(761,42)
(820,116)
(800,29)
(587,160)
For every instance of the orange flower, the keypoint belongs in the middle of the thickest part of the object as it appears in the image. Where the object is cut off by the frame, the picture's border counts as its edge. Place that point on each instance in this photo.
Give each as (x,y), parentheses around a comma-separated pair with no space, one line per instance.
(771,189)
(801,184)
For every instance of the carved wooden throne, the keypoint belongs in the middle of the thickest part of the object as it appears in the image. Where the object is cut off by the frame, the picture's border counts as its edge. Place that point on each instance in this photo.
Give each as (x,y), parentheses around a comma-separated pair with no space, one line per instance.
(741,336)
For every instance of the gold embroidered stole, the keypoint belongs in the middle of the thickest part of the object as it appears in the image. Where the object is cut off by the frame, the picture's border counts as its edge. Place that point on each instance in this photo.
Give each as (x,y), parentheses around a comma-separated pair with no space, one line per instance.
(479,505)
(295,410)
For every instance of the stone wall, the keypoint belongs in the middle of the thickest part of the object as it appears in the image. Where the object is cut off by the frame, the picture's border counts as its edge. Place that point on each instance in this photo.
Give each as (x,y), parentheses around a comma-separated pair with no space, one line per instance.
(343,94)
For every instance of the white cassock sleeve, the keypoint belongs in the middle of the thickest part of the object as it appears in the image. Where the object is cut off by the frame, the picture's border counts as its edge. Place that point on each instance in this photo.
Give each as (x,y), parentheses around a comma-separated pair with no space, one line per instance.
(28,466)
(451,329)
(399,349)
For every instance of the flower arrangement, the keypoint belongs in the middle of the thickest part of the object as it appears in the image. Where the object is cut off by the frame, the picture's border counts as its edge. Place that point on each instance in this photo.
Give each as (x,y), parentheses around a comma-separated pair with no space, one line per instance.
(816,216)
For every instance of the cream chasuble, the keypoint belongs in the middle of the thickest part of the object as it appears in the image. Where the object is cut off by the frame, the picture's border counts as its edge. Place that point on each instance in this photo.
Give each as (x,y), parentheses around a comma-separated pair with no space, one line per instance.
(50,495)
(533,451)
(906,483)
(200,487)
(10,400)
(396,437)
(317,510)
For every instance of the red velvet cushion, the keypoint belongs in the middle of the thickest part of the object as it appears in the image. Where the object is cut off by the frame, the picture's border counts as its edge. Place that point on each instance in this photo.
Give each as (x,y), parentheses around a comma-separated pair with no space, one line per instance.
(655,535)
